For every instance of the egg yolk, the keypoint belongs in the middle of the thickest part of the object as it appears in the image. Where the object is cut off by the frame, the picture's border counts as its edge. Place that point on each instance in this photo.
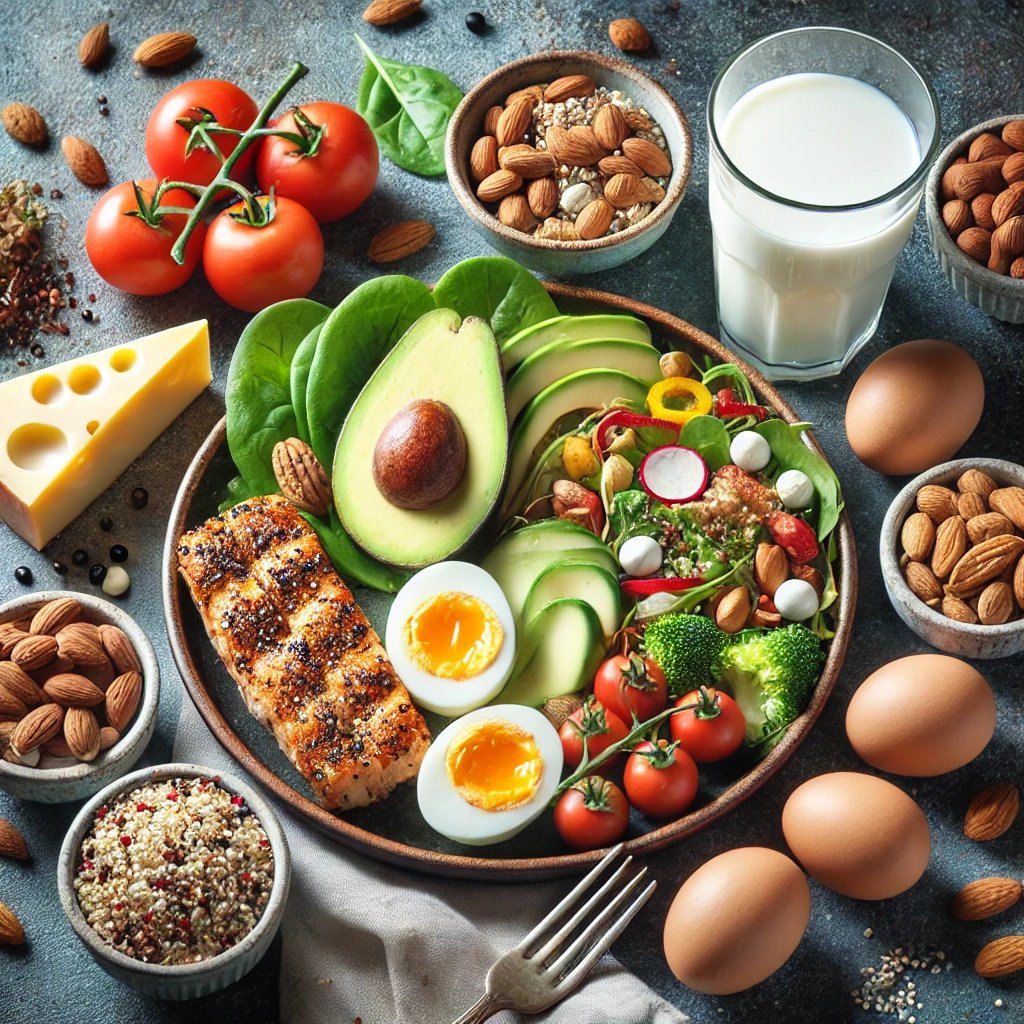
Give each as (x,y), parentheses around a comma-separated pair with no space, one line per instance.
(494,765)
(453,635)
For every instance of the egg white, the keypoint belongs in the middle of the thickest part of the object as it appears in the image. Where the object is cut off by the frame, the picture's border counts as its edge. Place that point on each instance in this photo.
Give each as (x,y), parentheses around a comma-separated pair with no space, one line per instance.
(445,810)
(450,697)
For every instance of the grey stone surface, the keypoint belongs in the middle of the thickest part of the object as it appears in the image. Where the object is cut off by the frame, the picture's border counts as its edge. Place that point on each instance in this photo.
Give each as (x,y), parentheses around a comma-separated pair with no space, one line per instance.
(970,51)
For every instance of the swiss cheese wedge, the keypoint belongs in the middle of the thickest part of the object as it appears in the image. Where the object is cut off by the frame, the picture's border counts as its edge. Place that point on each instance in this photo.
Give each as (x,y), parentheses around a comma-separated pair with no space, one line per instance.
(68,431)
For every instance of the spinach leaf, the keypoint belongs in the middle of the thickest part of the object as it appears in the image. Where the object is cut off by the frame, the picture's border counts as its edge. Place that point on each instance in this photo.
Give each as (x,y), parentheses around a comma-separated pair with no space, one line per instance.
(629,518)
(258,397)
(408,106)
(707,436)
(353,341)
(353,564)
(302,361)
(497,290)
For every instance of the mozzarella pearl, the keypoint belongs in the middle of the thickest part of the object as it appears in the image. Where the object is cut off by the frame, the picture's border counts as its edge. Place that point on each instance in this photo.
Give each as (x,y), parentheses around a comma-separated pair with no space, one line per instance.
(795,489)
(796,600)
(750,451)
(116,581)
(640,556)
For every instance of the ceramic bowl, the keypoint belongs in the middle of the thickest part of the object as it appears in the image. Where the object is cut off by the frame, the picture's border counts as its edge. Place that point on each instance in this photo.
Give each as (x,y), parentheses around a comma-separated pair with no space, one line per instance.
(58,780)
(997,295)
(962,638)
(180,981)
(547,255)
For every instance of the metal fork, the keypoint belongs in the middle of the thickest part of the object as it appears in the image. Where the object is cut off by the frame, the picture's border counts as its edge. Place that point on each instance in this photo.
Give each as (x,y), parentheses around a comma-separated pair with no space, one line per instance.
(538,972)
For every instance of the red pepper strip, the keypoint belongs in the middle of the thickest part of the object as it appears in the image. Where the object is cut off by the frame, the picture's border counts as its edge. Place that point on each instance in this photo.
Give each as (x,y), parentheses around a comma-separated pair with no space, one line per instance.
(727,408)
(659,584)
(625,418)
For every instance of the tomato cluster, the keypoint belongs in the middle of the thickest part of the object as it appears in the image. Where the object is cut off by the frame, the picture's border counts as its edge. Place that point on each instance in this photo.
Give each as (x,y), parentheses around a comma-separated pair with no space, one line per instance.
(258,250)
(660,777)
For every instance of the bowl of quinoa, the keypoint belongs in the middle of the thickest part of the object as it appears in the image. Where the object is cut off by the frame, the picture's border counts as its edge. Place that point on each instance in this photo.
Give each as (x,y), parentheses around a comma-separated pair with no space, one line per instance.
(542,233)
(175,878)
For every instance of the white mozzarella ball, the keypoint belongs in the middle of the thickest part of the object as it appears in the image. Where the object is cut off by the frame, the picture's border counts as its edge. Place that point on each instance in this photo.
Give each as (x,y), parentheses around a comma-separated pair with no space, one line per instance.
(116,581)
(640,556)
(796,600)
(795,489)
(750,451)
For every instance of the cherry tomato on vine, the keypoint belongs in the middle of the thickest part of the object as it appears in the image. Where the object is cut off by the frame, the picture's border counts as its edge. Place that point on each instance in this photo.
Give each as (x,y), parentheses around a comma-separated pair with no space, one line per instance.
(252,266)
(630,681)
(601,727)
(711,731)
(339,173)
(166,139)
(592,813)
(660,781)
(134,255)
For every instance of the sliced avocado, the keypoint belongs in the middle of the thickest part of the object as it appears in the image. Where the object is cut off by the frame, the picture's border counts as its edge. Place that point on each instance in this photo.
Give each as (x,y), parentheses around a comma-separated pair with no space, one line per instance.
(585,389)
(572,328)
(558,359)
(560,654)
(588,582)
(440,359)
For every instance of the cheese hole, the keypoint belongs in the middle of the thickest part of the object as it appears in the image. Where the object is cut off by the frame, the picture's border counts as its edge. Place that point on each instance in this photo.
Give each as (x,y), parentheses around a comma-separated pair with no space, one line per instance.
(92,426)
(47,389)
(85,379)
(123,360)
(37,446)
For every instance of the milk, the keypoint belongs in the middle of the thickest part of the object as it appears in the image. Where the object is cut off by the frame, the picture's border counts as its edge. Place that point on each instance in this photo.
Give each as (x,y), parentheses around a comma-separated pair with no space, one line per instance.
(796,285)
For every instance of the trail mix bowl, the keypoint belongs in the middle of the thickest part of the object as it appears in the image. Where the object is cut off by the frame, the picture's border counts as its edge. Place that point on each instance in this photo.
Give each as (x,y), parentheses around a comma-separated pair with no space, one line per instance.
(175,878)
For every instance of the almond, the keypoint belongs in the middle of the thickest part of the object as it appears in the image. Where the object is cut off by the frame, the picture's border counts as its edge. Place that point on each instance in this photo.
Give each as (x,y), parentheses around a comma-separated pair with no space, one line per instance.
(10,636)
(992,812)
(101,676)
(11,932)
(93,47)
(966,181)
(55,615)
(1001,957)
(569,86)
(654,190)
(950,545)
(483,157)
(389,12)
(985,898)
(11,708)
(957,217)
(80,643)
(1018,583)
(577,147)
(72,690)
(809,574)
(108,737)
(119,649)
(594,219)
(491,120)
(974,481)
(954,608)
(651,158)
(34,652)
(982,563)
(82,732)
(24,123)
(496,186)
(397,241)
(123,699)
(17,683)
(970,505)
(514,212)
(514,121)
(918,536)
(771,568)
(57,746)
(626,190)
(629,35)
(527,162)
(533,93)
(610,165)
(37,727)
(996,604)
(1013,134)
(990,524)
(557,230)
(1010,502)
(85,162)
(923,583)
(1013,168)
(938,503)
(50,669)
(976,243)
(987,145)
(610,126)
(1017,268)
(165,49)
(12,842)
(762,618)
(1007,242)
(732,610)
(1009,203)
(981,210)
(542,195)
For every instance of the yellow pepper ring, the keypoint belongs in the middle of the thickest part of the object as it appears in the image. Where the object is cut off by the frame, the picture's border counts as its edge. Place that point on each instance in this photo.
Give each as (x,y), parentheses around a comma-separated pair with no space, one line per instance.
(678,387)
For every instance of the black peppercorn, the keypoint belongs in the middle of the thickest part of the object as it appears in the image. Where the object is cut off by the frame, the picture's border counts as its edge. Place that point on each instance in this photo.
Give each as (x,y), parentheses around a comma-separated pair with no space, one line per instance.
(96,574)
(101,99)
(87,315)
(119,553)
(476,22)
(79,556)
(140,497)
(106,523)
(60,568)
(23,574)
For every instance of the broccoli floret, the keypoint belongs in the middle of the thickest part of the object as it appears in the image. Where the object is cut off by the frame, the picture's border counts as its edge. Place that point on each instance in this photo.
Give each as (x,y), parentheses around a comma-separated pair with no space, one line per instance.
(771,676)
(684,647)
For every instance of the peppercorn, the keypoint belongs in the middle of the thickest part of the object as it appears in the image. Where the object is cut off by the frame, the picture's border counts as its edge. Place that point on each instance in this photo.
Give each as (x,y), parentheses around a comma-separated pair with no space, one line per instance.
(87,315)
(101,99)
(476,22)
(96,574)
(79,556)
(140,498)
(106,524)
(60,568)
(23,574)
(119,553)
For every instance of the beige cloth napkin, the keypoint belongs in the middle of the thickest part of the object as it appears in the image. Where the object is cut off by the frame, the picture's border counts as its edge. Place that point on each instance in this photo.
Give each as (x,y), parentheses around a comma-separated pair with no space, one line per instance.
(361,940)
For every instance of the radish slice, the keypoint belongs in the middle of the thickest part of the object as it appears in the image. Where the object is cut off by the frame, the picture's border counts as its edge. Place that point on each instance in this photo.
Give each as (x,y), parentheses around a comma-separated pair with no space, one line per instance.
(673,474)
(659,585)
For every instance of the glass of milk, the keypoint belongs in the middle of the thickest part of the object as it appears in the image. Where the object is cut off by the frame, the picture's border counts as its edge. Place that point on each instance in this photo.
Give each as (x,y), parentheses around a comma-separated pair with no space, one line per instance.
(820,140)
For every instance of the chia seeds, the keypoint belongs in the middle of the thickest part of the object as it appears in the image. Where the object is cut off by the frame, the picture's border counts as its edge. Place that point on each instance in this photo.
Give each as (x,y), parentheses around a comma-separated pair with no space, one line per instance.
(175,872)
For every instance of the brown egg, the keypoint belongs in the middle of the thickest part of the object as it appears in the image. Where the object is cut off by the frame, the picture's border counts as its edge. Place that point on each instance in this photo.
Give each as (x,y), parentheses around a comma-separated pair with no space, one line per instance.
(922,715)
(736,920)
(914,406)
(857,834)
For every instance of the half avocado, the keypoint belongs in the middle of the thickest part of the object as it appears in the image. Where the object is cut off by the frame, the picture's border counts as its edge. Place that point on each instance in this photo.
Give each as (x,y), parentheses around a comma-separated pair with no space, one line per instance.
(421,457)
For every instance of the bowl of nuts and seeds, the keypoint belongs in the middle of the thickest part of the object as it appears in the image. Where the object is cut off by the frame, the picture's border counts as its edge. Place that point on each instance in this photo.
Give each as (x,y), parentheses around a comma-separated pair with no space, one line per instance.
(79,688)
(175,879)
(569,162)
(952,554)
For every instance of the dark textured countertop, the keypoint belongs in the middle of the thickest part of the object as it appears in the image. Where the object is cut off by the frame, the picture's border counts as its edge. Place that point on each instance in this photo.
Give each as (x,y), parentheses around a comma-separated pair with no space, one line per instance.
(969,50)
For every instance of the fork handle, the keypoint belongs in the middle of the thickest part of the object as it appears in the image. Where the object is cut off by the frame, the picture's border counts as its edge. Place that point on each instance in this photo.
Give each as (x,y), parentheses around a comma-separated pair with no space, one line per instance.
(483,1009)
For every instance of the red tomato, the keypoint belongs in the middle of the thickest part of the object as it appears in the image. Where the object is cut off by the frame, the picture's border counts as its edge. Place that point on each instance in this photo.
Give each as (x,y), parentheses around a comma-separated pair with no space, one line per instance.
(130,254)
(251,267)
(661,781)
(337,178)
(593,813)
(713,730)
(600,726)
(166,139)
(624,682)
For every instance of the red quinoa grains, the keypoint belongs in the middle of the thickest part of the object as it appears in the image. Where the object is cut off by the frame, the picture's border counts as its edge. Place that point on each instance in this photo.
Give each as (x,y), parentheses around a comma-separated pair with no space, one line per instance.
(175,872)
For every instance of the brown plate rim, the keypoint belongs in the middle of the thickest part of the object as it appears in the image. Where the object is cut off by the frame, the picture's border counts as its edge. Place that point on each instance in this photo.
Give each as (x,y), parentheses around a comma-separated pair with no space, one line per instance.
(514,869)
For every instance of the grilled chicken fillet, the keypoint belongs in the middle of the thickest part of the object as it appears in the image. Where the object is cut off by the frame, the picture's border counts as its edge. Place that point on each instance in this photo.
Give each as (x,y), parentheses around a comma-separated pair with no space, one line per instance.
(308,664)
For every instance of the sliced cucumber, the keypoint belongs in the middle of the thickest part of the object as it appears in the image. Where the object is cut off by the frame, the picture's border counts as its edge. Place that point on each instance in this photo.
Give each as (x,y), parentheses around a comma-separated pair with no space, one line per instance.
(586,581)
(559,654)
(571,328)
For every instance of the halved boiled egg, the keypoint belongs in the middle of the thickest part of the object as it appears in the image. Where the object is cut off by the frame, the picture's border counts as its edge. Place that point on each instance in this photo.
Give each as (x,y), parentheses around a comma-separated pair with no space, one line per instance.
(451,637)
(489,774)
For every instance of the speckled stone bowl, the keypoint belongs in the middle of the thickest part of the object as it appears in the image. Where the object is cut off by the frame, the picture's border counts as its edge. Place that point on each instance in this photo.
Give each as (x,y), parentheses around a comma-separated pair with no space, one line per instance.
(962,638)
(60,780)
(997,295)
(548,255)
(179,981)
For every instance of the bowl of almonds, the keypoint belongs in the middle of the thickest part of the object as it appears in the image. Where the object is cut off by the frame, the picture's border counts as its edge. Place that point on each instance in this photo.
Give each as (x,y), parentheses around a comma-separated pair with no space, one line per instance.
(569,162)
(975,207)
(79,687)
(951,549)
